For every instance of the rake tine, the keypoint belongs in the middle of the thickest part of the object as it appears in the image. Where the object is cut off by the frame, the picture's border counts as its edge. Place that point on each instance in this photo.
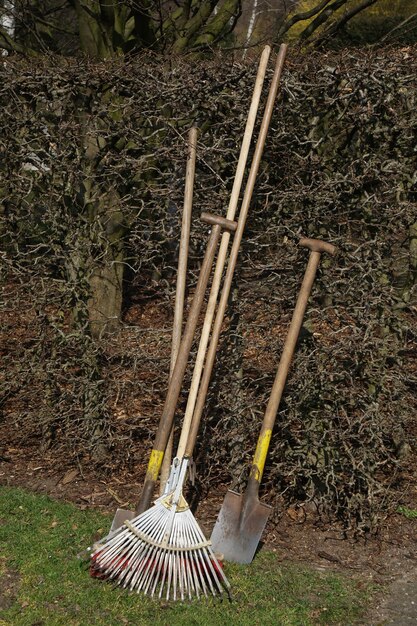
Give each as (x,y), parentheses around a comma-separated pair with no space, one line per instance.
(135,566)
(164,575)
(152,573)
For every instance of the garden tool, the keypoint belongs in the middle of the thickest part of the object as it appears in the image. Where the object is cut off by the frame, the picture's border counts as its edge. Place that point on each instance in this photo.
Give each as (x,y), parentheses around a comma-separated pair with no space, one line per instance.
(242,518)
(122,514)
(221,258)
(163,548)
(224,244)
(199,402)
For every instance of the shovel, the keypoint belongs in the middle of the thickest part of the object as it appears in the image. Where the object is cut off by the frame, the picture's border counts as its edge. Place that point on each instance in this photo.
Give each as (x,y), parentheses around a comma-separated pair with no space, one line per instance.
(242,518)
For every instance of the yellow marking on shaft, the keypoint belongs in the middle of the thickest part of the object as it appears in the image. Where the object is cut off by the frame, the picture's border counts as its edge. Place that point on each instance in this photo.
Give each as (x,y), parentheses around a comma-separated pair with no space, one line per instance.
(154,464)
(261,452)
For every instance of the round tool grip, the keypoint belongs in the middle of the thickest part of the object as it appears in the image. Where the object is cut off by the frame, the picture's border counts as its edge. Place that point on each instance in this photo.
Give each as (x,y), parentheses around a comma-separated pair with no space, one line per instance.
(317,245)
(216,220)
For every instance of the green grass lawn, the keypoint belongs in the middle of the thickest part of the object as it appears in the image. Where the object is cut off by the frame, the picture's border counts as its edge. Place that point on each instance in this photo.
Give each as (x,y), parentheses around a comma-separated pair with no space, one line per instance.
(43,582)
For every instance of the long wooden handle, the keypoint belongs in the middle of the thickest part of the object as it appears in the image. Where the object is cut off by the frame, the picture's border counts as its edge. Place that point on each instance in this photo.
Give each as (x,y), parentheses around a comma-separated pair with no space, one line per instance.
(221,257)
(211,353)
(181,280)
(174,388)
(316,248)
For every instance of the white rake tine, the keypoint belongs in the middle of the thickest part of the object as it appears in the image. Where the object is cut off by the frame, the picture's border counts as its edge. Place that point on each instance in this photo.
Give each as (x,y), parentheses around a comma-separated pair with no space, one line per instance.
(155,572)
(201,557)
(159,569)
(145,571)
(175,574)
(190,580)
(221,579)
(164,575)
(169,575)
(152,571)
(197,585)
(138,568)
(148,570)
(137,558)
(161,572)
(180,576)
(188,576)
(193,576)
(217,571)
(214,577)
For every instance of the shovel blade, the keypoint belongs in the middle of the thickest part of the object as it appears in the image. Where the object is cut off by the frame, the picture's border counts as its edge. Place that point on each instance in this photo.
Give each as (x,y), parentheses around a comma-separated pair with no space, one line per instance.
(239,527)
(119,518)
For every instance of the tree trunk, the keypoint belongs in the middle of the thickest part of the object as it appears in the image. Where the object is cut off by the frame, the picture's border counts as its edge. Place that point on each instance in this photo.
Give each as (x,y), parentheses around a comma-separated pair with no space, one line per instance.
(106,281)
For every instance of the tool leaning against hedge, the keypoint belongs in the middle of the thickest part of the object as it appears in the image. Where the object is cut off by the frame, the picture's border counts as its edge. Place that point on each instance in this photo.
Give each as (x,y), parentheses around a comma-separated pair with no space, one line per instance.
(242,518)
(152,549)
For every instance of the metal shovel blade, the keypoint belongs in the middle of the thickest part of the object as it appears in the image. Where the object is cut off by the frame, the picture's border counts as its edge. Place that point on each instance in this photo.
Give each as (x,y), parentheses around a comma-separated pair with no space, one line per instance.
(119,518)
(239,527)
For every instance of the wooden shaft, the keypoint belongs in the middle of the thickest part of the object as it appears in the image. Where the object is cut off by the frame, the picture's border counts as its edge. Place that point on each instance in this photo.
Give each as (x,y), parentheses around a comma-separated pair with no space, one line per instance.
(211,353)
(174,388)
(288,351)
(181,281)
(221,257)
(185,347)
(316,248)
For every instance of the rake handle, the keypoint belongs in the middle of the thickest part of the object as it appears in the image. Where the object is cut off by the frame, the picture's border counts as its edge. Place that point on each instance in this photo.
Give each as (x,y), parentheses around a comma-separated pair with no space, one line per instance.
(178,372)
(244,209)
(316,247)
(222,255)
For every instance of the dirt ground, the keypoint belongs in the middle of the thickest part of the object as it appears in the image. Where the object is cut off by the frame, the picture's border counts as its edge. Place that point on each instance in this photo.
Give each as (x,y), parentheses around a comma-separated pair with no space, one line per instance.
(389,561)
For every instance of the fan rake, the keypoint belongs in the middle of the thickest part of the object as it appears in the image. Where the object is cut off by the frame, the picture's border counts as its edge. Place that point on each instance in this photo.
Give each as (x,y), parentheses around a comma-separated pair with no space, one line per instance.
(163,552)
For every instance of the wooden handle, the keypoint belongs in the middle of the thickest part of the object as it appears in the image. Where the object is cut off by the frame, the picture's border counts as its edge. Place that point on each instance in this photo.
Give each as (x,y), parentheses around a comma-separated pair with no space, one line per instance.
(210,218)
(244,209)
(181,282)
(222,254)
(177,376)
(317,245)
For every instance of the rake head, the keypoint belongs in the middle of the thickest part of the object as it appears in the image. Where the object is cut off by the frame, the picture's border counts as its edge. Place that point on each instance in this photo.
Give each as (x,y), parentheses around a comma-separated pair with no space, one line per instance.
(162,553)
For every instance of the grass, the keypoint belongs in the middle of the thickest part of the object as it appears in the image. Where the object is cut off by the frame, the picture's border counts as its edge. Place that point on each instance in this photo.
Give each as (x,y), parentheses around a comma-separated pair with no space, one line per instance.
(45,583)
(408,513)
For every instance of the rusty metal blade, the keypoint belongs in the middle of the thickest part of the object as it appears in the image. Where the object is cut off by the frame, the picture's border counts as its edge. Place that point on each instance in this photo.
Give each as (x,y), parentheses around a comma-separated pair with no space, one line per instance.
(239,527)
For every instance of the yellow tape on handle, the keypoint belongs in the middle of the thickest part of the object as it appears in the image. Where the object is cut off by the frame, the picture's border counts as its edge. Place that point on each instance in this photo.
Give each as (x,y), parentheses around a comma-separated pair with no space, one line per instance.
(154,464)
(261,452)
